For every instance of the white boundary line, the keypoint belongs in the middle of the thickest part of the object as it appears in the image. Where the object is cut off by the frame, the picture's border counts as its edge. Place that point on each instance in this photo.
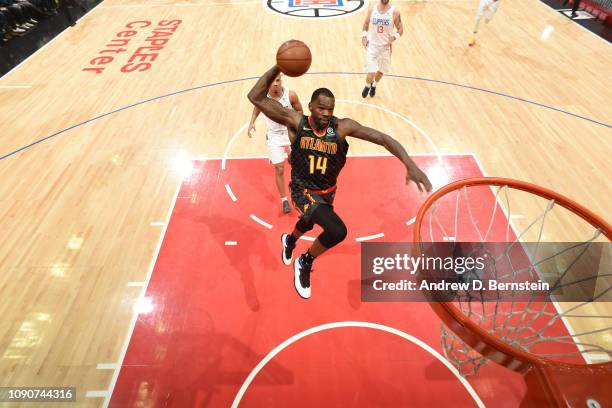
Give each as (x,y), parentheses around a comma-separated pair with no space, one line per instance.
(230,192)
(480,166)
(231,142)
(368,325)
(231,243)
(567,324)
(260,221)
(106,366)
(598,357)
(307,238)
(143,291)
(97,394)
(370,237)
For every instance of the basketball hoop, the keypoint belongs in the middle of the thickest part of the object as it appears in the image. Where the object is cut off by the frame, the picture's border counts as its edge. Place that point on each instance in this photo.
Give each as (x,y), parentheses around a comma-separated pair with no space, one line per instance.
(533,338)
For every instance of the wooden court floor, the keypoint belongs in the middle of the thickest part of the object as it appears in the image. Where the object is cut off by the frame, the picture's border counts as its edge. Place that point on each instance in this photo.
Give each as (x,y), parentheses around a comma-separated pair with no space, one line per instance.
(90,159)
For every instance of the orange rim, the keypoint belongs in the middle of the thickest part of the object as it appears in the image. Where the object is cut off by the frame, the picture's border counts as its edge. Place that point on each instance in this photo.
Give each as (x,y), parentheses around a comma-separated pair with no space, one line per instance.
(476,337)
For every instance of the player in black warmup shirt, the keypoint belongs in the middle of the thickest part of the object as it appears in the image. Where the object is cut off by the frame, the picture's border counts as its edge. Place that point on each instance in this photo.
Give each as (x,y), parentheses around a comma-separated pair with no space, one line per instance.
(318,153)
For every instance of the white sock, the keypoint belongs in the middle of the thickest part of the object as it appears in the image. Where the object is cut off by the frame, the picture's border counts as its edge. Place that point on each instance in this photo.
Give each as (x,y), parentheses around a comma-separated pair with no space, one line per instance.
(283,199)
(373,84)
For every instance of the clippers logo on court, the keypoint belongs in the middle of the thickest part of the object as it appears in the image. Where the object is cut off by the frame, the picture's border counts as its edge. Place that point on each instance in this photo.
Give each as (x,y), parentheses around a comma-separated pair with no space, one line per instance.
(314,8)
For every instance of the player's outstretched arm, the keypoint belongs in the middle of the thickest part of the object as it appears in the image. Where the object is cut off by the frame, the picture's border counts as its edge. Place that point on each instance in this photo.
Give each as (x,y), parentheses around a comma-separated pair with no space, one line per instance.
(349,127)
(270,107)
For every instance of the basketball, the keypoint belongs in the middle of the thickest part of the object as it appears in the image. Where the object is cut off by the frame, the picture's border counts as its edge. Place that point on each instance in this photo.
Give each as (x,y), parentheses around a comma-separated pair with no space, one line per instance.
(294,58)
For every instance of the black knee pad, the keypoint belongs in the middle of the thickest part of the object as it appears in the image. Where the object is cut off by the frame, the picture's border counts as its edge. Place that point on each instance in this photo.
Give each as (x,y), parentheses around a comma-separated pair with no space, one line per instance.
(334,230)
(333,235)
(304,226)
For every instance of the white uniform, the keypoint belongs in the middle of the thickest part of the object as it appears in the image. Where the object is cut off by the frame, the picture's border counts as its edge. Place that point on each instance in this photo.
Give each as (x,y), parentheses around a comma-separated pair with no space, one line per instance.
(488,9)
(379,40)
(277,135)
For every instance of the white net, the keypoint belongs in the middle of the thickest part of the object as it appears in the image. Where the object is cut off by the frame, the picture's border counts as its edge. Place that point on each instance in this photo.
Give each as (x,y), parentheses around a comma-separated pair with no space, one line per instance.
(538,240)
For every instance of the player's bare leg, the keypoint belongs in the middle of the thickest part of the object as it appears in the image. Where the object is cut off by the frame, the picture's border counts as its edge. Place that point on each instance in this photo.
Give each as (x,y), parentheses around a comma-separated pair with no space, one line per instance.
(334,232)
(377,77)
(297,233)
(488,10)
(369,80)
(316,249)
(279,170)
(473,40)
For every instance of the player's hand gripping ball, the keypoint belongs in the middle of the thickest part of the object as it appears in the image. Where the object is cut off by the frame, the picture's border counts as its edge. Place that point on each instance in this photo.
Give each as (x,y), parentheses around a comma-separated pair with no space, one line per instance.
(294,58)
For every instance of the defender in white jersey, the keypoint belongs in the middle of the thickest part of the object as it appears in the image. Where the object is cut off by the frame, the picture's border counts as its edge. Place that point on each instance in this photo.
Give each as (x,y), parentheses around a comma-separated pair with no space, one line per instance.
(377,38)
(486,8)
(277,136)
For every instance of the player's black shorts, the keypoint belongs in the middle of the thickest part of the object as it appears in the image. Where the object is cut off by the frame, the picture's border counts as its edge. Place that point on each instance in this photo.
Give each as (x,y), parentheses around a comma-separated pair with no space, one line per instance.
(306,201)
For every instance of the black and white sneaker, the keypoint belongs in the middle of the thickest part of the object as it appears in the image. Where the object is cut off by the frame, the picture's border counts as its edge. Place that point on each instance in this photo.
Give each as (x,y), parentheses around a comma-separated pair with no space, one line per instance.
(301,276)
(287,253)
(372,91)
(365,91)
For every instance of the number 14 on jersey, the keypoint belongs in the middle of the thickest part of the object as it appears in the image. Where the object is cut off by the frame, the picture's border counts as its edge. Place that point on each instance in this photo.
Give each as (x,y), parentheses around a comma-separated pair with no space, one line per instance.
(321,164)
